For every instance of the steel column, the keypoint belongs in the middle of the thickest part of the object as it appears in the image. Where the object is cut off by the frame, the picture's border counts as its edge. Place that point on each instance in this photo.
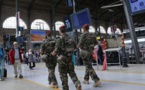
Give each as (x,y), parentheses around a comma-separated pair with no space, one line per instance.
(132,32)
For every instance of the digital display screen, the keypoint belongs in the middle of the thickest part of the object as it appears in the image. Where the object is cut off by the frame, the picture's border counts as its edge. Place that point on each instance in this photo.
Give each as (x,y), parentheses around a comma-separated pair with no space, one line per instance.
(37,35)
(137,6)
(67,22)
(132,1)
(70,3)
(80,18)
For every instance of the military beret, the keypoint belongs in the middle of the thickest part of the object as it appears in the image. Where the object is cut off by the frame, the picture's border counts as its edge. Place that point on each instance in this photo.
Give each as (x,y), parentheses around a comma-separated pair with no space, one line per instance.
(48,33)
(86,26)
(62,28)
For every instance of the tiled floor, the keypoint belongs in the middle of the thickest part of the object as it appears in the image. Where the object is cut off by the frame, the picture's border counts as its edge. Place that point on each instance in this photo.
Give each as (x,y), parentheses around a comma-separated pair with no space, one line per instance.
(115,78)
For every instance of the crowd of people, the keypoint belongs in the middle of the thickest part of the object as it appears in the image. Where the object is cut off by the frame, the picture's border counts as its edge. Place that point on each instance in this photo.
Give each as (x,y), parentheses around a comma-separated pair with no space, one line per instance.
(59,51)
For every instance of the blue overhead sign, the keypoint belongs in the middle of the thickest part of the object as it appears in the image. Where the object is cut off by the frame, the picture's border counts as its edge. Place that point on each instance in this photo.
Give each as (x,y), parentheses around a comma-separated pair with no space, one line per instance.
(80,18)
(136,6)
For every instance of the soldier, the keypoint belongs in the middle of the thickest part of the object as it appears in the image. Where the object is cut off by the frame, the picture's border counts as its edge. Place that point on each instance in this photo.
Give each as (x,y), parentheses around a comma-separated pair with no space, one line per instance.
(64,48)
(46,48)
(86,43)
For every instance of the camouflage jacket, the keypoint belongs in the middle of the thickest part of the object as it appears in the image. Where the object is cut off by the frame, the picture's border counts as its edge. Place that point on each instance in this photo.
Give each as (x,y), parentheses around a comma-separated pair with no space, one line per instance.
(65,45)
(87,41)
(48,45)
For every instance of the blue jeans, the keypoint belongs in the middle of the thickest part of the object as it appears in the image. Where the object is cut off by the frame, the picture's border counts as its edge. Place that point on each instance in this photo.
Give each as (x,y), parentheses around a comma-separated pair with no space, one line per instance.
(100,59)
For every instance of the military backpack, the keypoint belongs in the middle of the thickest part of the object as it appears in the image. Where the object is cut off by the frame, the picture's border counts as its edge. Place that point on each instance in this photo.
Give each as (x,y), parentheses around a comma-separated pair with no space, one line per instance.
(49,45)
(68,46)
(89,41)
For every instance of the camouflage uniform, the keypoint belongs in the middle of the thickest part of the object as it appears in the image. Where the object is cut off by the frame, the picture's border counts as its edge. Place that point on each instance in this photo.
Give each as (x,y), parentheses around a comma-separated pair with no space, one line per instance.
(47,47)
(64,48)
(87,42)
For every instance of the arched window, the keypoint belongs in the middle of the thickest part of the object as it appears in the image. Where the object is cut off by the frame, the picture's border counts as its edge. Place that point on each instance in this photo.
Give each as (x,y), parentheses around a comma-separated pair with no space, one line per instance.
(92,29)
(79,30)
(11,23)
(102,29)
(118,31)
(58,24)
(40,24)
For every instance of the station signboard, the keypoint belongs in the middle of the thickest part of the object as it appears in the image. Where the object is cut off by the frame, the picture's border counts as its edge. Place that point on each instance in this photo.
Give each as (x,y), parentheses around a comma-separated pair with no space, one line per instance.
(136,6)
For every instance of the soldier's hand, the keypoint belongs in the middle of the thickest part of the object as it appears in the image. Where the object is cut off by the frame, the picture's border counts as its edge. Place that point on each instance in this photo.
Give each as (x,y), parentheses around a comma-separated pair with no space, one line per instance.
(53,53)
(78,46)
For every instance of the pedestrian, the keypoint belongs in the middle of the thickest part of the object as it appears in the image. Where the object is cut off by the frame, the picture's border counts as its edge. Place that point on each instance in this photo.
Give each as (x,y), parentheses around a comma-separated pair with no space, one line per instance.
(46,48)
(31,59)
(100,53)
(16,59)
(2,63)
(86,44)
(64,48)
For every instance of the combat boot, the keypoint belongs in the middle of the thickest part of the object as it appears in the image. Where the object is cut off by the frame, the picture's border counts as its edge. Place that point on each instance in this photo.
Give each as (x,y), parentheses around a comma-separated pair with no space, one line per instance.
(86,82)
(79,87)
(21,76)
(97,83)
(55,85)
(49,83)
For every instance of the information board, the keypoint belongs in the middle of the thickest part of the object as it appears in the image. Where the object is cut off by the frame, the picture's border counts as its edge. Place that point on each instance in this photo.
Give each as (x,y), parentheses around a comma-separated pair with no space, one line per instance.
(80,18)
(136,6)
(67,23)
(70,3)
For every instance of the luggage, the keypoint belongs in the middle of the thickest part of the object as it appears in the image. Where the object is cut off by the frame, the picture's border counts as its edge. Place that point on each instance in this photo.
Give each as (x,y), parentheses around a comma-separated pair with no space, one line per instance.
(5,72)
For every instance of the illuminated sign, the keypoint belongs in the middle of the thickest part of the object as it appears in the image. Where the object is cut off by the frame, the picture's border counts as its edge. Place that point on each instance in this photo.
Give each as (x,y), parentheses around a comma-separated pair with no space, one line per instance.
(67,22)
(70,3)
(136,6)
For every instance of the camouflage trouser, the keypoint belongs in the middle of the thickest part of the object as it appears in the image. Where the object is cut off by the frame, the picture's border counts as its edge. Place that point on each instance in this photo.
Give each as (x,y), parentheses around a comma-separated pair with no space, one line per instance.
(51,64)
(89,70)
(65,66)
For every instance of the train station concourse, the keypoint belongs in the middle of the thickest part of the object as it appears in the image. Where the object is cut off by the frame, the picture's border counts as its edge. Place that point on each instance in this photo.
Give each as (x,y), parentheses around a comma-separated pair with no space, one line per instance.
(72,44)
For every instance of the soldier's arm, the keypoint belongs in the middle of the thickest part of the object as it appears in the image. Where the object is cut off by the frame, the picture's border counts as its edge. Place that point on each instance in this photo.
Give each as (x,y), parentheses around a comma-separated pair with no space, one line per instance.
(57,45)
(80,40)
(75,45)
(42,47)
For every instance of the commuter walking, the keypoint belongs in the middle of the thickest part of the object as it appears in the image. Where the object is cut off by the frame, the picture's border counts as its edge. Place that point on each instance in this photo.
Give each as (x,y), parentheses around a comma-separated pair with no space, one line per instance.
(16,59)
(2,63)
(31,59)
(100,53)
